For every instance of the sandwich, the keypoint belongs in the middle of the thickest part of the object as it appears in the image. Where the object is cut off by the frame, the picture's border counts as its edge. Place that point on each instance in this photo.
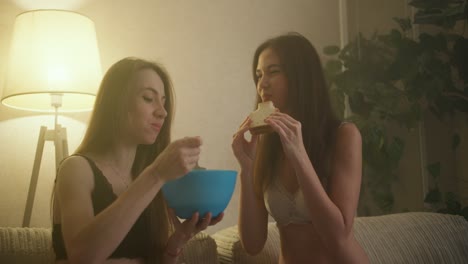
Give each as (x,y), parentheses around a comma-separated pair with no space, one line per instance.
(258,125)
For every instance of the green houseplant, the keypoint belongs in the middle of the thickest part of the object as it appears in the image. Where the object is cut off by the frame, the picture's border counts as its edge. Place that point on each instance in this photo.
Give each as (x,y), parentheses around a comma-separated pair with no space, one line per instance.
(447,203)
(391,79)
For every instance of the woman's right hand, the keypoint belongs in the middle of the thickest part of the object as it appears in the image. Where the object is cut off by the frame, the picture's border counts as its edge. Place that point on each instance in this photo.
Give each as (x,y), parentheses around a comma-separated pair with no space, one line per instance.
(178,158)
(244,150)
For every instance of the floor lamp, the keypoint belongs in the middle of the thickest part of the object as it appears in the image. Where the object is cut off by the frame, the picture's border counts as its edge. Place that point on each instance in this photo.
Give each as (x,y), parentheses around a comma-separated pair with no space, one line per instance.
(53,67)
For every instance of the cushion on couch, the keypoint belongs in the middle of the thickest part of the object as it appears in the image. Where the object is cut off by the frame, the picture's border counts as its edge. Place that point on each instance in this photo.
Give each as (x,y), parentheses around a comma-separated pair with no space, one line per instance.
(200,249)
(415,237)
(26,245)
(230,248)
(34,245)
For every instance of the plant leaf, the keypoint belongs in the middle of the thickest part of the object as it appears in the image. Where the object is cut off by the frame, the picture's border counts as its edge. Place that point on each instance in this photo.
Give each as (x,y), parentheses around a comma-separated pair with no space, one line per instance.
(333,67)
(434,169)
(433,196)
(455,141)
(464,213)
(404,23)
(331,50)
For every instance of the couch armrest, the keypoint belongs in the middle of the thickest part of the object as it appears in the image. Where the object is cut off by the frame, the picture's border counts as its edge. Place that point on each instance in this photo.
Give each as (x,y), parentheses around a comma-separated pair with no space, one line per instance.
(200,249)
(26,245)
(414,237)
(230,249)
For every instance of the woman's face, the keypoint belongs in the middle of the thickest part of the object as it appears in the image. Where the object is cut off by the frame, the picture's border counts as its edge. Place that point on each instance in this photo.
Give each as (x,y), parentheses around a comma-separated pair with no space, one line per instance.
(272,84)
(146,107)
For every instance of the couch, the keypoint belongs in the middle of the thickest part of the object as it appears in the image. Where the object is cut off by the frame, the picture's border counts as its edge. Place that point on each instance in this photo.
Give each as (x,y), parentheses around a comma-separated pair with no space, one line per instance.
(34,245)
(415,237)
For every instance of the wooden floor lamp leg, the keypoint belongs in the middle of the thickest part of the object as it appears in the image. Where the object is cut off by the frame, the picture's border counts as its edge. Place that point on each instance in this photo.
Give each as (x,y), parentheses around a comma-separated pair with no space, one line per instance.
(64,142)
(61,145)
(34,177)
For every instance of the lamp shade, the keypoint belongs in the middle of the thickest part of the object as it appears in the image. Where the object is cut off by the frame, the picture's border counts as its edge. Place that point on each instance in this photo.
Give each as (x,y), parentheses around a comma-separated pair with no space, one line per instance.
(53,52)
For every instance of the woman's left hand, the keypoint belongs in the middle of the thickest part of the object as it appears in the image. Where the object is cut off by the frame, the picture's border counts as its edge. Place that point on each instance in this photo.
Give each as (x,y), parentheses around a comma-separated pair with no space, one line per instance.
(185,230)
(289,131)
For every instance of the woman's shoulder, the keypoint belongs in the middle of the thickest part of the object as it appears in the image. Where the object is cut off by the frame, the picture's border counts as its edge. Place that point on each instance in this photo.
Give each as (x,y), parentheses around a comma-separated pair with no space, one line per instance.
(75,161)
(348,132)
(348,127)
(73,168)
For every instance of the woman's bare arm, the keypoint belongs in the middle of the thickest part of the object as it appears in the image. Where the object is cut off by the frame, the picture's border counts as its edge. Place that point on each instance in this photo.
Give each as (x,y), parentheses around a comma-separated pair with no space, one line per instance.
(334,212)
(253,216)
(89,238)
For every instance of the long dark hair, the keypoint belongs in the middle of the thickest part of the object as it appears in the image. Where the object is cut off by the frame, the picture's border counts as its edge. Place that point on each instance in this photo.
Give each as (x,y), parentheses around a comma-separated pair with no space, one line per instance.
(109,116)
(308,102)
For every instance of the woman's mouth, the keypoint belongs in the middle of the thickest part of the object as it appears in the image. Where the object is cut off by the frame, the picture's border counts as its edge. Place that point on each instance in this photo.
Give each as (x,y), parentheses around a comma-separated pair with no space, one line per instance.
(156,127)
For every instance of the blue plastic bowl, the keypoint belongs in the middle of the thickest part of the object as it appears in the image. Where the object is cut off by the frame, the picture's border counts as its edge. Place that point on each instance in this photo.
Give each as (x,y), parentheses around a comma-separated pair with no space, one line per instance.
(200,191)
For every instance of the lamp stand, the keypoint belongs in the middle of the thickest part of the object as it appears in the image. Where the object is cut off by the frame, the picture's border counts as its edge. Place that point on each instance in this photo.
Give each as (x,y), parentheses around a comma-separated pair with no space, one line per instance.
(59,136)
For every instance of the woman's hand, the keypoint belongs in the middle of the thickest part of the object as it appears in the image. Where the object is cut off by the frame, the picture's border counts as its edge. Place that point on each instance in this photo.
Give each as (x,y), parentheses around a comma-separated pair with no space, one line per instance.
(244,150)
(178,158)
(289,131)
(189,228)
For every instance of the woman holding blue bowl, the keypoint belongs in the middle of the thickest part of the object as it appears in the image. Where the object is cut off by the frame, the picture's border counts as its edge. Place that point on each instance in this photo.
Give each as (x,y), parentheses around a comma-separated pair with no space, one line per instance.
(307,173)
(108,203)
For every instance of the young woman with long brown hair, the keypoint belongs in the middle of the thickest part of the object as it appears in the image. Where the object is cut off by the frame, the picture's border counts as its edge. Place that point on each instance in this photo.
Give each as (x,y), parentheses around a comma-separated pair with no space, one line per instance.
(108,204)
(307,173)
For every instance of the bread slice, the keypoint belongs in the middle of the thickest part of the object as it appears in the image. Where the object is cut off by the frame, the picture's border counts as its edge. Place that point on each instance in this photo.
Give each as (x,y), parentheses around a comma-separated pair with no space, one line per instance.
(258,125)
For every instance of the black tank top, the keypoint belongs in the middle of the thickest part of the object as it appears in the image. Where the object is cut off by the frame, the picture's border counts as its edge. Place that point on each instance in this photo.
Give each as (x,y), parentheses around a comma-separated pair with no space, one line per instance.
(134,245)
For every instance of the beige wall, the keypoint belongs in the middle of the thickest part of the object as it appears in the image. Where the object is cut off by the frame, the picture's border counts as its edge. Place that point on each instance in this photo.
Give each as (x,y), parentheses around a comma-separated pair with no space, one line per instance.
(207,47)
(367,16)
